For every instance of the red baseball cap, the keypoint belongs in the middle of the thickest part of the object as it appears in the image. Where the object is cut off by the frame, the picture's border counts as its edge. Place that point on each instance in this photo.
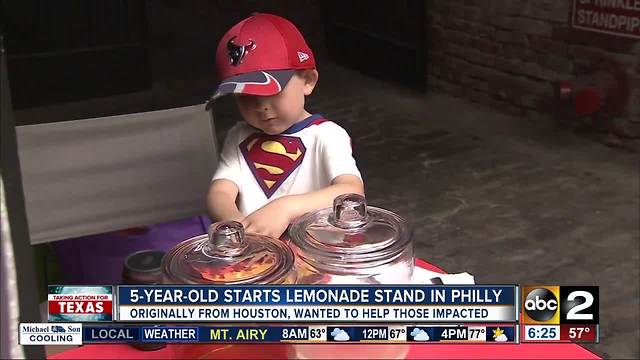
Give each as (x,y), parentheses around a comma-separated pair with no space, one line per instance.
(259,55)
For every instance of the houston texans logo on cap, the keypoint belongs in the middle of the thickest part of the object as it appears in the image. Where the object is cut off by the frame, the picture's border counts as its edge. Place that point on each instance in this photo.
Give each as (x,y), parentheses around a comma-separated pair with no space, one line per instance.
(238,52)
(272,158)
(259,55)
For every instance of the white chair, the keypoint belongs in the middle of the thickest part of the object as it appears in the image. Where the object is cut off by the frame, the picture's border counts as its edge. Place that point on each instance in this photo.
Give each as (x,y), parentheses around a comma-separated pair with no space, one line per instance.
(98,175)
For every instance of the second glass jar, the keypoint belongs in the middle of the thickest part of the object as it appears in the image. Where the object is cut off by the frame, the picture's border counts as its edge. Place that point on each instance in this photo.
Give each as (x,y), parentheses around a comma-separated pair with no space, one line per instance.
(351,243)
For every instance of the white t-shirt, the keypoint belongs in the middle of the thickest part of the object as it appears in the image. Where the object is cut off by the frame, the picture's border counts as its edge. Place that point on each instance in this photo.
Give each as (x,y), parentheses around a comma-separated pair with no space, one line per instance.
(306,157)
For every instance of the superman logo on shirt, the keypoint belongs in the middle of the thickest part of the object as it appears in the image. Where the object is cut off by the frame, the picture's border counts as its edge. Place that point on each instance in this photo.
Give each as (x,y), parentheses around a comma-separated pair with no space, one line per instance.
(272,158)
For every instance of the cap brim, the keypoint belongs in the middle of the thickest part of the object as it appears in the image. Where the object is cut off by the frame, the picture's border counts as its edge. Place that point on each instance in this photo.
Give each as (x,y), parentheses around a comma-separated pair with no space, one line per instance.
(262,83)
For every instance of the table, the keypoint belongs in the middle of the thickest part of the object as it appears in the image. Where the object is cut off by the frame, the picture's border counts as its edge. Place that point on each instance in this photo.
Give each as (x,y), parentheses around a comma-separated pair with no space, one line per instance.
(278,351)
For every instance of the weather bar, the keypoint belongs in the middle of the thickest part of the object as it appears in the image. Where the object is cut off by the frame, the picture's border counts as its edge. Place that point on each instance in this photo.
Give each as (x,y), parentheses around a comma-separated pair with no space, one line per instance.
(449,333)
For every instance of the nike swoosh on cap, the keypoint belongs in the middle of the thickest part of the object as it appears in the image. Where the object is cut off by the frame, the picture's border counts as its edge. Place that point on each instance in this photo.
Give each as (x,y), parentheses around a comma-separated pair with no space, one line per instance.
(268,85)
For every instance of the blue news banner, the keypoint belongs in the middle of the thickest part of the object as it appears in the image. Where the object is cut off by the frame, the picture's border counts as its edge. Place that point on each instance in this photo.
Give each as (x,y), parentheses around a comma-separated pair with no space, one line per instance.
(318,304)
(504,333)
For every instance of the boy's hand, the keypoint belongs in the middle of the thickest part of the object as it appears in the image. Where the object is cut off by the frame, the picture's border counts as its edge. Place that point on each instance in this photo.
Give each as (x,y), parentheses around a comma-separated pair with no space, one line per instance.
(221,201)
(274,218)
(271,219)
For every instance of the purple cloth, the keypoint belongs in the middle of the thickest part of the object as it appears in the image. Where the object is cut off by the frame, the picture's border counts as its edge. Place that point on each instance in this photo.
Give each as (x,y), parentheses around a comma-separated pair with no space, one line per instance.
(98,259)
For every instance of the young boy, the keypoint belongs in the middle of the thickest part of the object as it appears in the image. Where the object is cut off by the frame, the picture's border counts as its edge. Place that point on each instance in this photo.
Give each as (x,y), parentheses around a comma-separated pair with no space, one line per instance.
(282,161)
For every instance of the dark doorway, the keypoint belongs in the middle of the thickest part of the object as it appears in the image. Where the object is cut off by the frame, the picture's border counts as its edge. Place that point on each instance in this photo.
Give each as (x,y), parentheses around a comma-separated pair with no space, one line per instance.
(384,39)
(68,50)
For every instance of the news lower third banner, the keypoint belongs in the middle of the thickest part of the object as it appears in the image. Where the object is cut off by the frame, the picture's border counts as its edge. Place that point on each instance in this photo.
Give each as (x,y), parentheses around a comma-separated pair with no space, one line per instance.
(318,303)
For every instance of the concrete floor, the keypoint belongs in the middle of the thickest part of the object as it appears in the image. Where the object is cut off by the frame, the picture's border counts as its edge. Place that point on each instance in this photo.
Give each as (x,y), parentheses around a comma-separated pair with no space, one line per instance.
(505,199)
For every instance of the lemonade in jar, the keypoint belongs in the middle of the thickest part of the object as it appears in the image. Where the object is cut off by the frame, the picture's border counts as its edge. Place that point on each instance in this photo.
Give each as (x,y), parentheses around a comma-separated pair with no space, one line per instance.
(226,255)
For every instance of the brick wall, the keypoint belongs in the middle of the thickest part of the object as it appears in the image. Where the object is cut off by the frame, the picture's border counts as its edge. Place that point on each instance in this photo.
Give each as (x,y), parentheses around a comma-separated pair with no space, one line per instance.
(508,54)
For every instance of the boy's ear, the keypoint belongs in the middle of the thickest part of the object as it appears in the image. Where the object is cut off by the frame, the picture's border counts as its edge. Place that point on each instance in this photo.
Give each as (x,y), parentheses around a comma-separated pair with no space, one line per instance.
(310,80)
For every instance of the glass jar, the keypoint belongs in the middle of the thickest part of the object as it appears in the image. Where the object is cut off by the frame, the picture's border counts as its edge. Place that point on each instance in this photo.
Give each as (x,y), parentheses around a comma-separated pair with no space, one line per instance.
(144,268)
(352,244)
(226,255)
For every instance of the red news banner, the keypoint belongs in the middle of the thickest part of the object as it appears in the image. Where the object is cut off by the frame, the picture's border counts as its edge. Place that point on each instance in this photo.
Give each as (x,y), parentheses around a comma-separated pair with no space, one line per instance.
(80,304)
(614,17)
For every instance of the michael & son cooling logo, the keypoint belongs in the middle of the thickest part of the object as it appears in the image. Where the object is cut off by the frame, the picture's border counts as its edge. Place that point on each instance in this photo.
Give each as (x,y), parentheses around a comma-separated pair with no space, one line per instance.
(554,305)
(50,334)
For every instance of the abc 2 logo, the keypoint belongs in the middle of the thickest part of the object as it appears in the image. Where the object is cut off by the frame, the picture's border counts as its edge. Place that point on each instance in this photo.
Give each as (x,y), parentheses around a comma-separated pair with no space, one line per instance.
(552,305)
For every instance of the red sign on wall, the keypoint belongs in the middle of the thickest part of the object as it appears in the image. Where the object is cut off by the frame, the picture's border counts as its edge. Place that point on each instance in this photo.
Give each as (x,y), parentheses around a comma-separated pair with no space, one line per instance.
(615,17)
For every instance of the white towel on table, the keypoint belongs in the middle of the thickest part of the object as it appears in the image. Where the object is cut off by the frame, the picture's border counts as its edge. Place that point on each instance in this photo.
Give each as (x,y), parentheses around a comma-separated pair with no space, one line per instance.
(424,276)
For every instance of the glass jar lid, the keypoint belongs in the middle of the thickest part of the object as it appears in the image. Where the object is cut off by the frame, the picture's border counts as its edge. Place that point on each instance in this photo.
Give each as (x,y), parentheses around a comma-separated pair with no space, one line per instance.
(351,235)
(226,255)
